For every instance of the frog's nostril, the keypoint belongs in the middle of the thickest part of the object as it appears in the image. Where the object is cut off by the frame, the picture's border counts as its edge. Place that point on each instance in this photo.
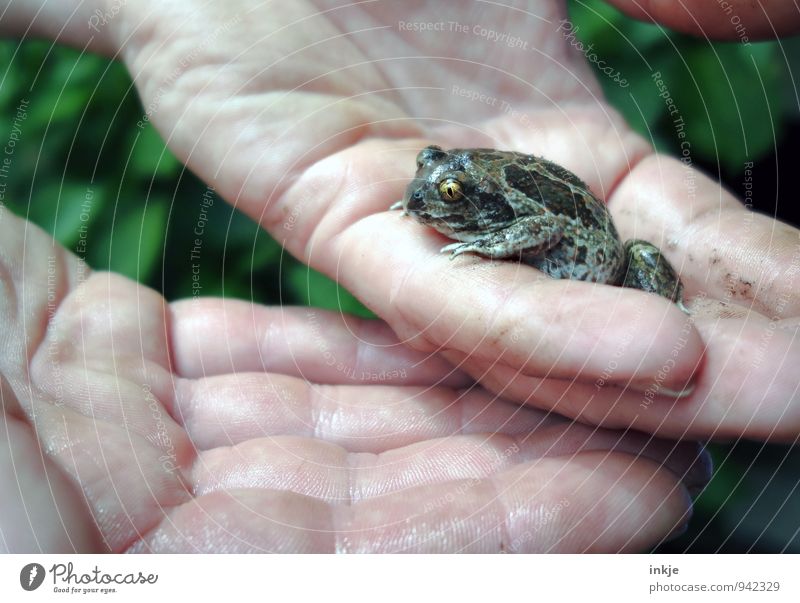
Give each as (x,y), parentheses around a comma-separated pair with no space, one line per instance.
(415,201)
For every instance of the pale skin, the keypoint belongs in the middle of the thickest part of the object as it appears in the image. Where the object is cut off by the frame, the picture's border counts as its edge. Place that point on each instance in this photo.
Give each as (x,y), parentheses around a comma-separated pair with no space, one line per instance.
(216,425)
(241,453)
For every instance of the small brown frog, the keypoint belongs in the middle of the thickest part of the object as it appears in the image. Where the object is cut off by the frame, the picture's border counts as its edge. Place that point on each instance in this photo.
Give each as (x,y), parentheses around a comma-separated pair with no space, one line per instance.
(506,205)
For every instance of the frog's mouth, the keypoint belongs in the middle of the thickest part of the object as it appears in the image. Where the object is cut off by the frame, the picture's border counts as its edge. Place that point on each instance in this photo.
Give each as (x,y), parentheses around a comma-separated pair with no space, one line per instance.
(445,225)
(450,225)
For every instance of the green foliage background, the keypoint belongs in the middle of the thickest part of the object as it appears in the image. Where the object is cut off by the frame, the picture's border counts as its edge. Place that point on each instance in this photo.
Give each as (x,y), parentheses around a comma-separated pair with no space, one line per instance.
(83,162)
(81,149)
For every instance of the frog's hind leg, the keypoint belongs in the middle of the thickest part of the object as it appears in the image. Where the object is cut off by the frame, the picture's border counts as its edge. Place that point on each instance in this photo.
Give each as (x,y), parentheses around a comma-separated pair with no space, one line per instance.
(647,269)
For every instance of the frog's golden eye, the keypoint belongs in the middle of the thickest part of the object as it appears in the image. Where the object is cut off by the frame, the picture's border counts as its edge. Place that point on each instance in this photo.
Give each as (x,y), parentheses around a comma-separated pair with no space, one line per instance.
(450,189)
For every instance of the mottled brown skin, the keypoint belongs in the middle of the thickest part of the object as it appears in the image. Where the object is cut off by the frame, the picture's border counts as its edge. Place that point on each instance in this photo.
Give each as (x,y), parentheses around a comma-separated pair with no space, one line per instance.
(507,205)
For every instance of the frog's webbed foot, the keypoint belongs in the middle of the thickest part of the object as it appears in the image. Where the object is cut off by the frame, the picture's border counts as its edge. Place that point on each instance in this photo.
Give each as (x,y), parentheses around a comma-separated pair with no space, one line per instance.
(531,235)
(647,269)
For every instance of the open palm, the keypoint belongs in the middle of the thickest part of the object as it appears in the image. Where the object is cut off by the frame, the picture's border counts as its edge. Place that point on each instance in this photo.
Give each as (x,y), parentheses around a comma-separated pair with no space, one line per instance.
(218,426)
(308,117)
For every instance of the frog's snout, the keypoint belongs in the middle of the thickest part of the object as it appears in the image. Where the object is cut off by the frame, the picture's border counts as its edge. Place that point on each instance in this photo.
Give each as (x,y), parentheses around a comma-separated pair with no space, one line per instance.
(416,201)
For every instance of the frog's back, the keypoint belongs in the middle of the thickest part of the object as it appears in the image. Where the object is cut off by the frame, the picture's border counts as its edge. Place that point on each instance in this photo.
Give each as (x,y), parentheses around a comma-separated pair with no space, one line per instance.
(590,248)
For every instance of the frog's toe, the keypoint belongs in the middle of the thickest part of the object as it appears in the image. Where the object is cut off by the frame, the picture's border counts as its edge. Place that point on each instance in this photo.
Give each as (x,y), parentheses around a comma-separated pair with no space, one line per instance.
(455,249)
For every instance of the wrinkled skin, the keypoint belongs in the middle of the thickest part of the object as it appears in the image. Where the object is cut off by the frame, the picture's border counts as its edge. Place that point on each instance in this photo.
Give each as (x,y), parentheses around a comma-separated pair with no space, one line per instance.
(310,132)
(220,426)
(311,156)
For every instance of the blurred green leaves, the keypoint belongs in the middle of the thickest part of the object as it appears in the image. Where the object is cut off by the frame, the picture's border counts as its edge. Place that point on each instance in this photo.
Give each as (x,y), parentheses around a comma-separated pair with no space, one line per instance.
(729,95)
(150,158)
(314,289)
(111,190)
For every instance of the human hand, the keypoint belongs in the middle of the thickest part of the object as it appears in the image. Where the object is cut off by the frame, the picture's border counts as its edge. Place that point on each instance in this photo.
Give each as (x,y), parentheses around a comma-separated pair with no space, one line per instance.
(308,117)
(208,425)
(724,20)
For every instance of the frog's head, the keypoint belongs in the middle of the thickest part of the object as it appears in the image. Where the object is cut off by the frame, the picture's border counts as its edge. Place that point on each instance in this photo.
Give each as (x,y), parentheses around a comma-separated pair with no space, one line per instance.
(454,193)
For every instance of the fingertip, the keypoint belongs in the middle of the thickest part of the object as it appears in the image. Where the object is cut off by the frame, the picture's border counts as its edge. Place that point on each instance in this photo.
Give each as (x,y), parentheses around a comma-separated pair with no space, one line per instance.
(667,348)
(626,337)
(752,21)
(595,502)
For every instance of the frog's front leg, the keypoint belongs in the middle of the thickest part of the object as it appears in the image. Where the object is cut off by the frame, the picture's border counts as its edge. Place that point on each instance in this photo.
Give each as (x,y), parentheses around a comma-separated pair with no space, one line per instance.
(647,269)
(532,235)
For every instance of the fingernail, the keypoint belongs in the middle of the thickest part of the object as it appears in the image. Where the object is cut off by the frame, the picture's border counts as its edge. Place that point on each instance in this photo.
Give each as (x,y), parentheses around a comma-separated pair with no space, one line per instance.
(699,476)
(652,389)
(687,391)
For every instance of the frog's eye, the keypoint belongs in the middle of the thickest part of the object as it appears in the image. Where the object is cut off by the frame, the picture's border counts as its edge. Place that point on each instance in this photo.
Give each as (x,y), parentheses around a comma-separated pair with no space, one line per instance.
(450,189)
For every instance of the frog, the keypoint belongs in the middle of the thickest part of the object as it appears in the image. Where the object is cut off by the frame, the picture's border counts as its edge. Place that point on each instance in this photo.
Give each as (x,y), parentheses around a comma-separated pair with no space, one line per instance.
(508,205)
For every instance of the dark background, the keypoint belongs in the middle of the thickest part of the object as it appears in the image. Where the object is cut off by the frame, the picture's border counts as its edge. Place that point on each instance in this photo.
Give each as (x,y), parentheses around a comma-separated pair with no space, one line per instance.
(79,137)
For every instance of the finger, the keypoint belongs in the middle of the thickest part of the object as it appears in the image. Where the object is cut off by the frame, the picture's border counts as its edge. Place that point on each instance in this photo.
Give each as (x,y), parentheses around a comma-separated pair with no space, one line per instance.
(105,356)
(75,357)
(553,505)
(545,327)
(747,388)
(720,249)
(493,309)
(96,346)
(87,341)
(36,274)
(125,480)
(592,502)
(214,336)
(226,410)
(314,468)
(41,510)
(731,20)
(108,312)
